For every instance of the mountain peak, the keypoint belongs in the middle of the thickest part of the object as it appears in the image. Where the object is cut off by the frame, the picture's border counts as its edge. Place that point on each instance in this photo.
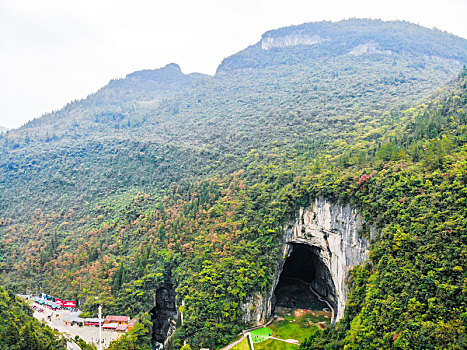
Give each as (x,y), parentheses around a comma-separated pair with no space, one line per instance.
(173,66)
(310,41)
(170,71)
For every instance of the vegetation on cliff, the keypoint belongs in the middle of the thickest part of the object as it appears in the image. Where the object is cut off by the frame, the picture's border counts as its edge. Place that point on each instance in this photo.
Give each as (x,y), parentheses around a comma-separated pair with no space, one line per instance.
(196,183)
(20,331)
(412,292)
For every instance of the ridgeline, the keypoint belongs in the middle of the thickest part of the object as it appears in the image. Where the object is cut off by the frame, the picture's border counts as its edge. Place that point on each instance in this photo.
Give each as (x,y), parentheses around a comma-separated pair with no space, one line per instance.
(162,178)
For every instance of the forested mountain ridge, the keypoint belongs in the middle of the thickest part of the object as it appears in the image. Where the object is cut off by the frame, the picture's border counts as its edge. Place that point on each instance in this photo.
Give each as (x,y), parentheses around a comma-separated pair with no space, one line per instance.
(351,37)
(198,186)
(109,107)
(196,123)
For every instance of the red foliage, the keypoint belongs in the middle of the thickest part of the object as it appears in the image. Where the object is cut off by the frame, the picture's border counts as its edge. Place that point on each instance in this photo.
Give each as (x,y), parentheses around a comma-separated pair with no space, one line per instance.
(364,178)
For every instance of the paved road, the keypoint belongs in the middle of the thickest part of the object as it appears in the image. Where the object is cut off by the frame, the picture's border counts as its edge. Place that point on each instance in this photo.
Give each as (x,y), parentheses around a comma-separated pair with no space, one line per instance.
(72,346)
(231,345)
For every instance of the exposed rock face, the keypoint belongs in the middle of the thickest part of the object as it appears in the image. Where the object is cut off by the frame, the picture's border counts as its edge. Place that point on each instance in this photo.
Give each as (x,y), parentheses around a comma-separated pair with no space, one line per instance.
(270,42)
(256,309)
(368,49)
(163,314)
(331,232)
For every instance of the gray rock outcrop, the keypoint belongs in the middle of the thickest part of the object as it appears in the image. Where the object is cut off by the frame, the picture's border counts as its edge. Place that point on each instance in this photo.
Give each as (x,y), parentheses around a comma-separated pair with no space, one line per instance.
(332,232)
(270,42)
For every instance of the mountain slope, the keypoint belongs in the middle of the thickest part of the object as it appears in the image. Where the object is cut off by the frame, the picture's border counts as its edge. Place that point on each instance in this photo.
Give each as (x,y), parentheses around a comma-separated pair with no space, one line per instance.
(20,330)
(186,128)
(164,178)
(412,292)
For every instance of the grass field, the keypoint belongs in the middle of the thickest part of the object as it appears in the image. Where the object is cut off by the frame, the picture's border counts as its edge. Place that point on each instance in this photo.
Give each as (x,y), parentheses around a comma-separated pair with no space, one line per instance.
(261,334)
(295,324)
(292,324)
(244,345)
(292,330)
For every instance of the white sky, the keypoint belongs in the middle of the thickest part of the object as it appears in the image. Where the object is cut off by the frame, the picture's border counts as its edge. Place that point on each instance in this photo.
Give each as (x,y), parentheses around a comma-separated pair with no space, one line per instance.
(55,51)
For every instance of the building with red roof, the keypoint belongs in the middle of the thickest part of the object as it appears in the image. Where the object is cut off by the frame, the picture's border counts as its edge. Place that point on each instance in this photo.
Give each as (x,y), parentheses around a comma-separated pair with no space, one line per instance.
(117,319)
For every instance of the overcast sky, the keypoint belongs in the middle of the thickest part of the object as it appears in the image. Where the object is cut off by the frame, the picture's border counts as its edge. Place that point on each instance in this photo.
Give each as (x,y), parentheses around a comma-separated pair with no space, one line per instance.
(55,51)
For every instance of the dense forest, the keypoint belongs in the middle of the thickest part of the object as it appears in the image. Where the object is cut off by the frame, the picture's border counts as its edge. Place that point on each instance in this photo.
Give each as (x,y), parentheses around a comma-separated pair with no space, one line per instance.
(20,331)
(164,177)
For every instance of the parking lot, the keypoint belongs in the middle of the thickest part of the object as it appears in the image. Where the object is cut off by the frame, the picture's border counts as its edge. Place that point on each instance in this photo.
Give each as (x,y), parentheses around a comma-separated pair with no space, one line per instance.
(90,334)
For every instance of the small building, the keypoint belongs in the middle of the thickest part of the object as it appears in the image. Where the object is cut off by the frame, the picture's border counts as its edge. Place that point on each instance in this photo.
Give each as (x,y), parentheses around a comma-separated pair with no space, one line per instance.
(122,328)
(51,305)
(24,296)
(117,319)
(47,303)
(110,326)
(93,321)
(73,319)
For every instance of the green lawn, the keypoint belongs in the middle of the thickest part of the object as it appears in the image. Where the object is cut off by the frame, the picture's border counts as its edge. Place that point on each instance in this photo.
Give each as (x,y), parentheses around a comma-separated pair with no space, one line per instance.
(293,325)
(261,334)
(297,329)
(298,326)
(244,345)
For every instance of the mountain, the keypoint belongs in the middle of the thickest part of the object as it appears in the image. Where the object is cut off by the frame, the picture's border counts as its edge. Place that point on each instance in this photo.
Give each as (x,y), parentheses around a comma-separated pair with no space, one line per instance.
(112,105)
(185,185)
(159,123)
(3,129)
(356,37)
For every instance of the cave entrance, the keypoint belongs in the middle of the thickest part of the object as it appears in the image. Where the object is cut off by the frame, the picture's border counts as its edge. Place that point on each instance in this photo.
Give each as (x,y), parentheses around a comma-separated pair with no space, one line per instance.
(305,282)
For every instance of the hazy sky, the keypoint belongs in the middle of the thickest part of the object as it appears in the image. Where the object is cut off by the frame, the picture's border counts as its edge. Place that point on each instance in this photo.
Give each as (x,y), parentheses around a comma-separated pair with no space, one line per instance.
(55,51)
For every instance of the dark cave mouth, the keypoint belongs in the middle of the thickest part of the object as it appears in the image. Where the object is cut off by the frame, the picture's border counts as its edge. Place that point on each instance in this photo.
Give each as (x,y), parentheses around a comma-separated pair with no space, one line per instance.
(303,271)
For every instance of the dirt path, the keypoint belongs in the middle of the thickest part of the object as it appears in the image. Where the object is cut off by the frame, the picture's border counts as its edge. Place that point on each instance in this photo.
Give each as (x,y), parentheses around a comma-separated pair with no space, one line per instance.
(231,345)
(290,341)
(325,301)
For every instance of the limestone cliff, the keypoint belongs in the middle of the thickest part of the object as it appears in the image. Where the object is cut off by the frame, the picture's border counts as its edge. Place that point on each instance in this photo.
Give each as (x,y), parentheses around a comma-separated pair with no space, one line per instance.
(369,49)
(332,233)
(163,315)
(269,42)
